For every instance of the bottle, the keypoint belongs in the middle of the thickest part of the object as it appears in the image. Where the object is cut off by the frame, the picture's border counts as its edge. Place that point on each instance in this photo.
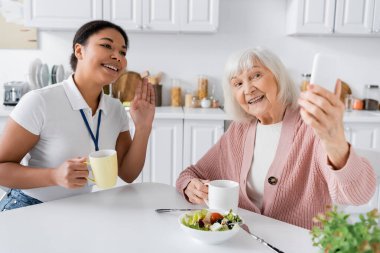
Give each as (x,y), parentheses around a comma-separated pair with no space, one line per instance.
(305,81)
(371,97)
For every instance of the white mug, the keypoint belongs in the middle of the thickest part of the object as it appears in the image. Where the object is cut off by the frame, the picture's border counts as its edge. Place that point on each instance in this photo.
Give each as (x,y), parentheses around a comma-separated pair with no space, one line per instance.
(223,195)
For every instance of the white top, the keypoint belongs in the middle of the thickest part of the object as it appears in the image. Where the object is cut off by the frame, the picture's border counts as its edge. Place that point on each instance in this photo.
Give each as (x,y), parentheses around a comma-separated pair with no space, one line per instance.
(267,138)
(123,219)
(53,114)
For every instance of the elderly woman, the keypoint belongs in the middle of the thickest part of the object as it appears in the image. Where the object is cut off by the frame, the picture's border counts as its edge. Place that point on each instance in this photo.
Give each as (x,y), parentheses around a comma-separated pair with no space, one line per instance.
(289,154)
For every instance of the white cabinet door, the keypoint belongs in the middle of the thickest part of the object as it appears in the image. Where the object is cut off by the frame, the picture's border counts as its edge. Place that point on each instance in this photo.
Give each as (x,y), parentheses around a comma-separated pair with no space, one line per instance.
(354,16)
(199,15)
(363,135)
(376,18)
(164,155)
(125,13)
(66,14)
(161,15)
(310,16)
(199,137)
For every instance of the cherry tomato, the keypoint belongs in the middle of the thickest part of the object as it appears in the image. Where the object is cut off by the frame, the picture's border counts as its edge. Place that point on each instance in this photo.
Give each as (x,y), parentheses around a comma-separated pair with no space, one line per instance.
(215,217)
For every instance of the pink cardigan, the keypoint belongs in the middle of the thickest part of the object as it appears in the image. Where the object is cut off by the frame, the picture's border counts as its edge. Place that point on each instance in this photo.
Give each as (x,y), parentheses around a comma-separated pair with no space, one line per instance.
(306,183)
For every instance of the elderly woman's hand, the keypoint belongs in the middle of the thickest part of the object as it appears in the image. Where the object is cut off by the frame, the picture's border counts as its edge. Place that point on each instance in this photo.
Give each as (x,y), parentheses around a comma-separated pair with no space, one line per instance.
(196,191)
(323,111)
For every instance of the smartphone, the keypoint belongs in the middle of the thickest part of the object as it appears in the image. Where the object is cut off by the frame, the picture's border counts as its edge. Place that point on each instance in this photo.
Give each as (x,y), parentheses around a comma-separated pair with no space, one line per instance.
(325,71)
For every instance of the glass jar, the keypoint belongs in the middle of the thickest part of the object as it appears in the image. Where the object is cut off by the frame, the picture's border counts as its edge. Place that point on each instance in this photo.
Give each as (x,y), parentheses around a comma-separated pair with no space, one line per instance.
(371,97)
(202,87)
(305,81)
(176,93)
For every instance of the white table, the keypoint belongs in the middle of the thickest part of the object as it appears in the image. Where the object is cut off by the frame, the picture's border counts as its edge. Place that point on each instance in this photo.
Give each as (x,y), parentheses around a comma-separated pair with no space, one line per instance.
(123,220)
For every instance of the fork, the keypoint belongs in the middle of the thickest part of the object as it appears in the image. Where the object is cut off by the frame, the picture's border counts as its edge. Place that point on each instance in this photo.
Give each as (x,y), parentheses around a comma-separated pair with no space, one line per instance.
(166,210)
(246,229)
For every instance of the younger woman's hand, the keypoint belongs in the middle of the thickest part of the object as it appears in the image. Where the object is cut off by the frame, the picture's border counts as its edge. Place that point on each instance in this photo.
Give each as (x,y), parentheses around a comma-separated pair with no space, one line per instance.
(143,106)
(71,174)
(197,191)
(323,111)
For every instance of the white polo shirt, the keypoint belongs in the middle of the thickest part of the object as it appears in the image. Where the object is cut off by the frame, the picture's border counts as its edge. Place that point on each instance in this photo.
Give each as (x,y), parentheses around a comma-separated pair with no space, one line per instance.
(53,113)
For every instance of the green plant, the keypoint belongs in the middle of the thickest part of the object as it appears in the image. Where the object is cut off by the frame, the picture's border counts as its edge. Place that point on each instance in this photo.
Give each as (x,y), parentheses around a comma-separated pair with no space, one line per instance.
(334,234)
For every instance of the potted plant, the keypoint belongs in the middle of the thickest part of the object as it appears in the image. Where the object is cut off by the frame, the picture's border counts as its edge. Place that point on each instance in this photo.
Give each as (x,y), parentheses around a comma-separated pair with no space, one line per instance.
(334,234)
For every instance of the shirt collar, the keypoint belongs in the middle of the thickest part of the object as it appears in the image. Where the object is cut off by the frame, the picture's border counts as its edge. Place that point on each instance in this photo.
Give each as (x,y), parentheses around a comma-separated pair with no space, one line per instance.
(76,99)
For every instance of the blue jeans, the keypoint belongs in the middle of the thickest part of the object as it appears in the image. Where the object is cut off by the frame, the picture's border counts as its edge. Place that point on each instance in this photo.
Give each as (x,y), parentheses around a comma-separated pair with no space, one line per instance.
(15,198)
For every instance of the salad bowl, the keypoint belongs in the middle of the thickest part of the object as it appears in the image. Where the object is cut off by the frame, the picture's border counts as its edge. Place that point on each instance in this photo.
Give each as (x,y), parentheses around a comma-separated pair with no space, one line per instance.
(218,233)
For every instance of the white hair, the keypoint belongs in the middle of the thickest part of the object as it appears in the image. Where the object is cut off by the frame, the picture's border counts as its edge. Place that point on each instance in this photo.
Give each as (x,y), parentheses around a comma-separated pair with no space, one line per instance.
(244,60)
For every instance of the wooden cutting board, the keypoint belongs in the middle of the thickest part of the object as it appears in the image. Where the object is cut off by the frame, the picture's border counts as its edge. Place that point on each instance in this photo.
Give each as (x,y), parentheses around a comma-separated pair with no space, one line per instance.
(124,87)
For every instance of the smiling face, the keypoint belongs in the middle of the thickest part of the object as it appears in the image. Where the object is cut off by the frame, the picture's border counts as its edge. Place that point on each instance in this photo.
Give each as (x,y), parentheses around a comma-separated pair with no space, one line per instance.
(256,91)
(102,58)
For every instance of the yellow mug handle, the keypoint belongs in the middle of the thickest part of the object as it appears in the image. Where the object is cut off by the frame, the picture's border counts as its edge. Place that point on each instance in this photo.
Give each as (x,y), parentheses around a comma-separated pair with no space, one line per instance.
(88,178)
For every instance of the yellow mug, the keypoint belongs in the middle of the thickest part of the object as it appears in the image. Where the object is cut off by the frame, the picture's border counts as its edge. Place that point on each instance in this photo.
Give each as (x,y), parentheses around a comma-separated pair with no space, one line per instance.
(104,167)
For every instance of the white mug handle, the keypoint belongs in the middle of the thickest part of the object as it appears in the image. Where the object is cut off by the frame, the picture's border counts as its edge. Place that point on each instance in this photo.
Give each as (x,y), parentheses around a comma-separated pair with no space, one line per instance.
(206,200)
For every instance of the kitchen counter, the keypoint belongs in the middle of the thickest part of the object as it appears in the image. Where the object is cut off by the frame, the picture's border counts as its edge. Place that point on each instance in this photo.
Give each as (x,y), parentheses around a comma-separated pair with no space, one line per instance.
(362,116)
(5,110)
(205,113)
(163,112)
(169,112)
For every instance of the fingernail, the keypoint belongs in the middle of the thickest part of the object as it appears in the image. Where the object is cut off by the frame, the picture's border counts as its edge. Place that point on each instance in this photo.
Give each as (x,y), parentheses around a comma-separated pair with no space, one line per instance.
(310,86)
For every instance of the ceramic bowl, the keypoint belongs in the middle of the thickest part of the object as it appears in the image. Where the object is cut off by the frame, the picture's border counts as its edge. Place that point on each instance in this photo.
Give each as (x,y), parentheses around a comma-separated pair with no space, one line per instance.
(208,237)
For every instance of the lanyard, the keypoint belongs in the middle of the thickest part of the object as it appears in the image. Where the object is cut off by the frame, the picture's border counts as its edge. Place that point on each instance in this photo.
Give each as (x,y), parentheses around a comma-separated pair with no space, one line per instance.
(94,139)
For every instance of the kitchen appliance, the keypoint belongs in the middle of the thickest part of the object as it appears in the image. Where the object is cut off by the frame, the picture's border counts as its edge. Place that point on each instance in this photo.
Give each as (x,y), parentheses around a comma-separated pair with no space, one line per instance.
(13,91)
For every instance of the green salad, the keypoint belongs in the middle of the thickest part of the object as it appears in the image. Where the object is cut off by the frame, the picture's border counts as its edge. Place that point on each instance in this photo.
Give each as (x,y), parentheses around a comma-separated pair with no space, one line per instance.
(210,221)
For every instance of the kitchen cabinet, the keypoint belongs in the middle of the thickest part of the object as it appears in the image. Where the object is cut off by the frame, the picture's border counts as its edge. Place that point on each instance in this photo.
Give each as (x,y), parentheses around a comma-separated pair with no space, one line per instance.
(132,15)
(145,15)
(362,129)
(201,131)
(199,15)
(163,161)
(179,138)
(337,17)
(55,14)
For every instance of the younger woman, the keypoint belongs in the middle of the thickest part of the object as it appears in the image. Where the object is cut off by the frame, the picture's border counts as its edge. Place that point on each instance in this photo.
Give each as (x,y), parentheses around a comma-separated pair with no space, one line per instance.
(61,124)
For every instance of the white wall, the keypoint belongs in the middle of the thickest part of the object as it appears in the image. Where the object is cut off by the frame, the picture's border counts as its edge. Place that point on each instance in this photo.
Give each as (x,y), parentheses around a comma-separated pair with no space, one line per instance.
(243,23)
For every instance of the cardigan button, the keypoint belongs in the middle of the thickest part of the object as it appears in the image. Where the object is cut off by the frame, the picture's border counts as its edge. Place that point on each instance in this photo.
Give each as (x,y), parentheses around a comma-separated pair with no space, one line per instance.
(272,180)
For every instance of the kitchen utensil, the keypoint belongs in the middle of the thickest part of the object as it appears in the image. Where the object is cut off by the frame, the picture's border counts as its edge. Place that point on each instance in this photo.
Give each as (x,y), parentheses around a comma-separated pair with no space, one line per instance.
(207,237)
(53,74)
(371,97)
(167,210)
(104,167)
(346,90)
(32,75)
(158,94)
(223,195)
(43,76)
(126,85)
(260,240)
(60,74)
(13,91)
